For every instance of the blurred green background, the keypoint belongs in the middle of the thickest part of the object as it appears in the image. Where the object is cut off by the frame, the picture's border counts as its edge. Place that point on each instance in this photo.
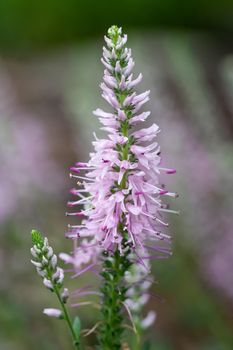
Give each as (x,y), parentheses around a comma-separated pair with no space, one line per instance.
(50,72)
(27,25)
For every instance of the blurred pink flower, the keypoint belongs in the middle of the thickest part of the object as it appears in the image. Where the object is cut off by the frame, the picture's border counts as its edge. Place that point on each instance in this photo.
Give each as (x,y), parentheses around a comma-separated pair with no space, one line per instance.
(27,166)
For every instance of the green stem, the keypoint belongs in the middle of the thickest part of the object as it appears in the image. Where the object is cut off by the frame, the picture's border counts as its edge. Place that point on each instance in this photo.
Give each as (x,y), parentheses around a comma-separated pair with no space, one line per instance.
(137,342)
(114,294)
(67,319)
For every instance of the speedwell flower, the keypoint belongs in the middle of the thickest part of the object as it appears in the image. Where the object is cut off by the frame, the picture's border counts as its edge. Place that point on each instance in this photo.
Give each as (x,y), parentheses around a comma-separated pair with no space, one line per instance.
(119,195)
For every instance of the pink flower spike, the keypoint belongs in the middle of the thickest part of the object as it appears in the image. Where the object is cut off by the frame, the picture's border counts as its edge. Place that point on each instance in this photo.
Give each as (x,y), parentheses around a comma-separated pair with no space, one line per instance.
(121,192)
(121,197)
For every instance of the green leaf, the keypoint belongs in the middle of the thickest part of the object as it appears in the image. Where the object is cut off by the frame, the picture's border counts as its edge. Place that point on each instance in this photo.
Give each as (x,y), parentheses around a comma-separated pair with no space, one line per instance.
(77,327)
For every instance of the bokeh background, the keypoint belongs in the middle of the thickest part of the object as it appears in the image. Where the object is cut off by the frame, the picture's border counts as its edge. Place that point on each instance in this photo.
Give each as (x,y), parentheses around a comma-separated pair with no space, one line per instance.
(50,72)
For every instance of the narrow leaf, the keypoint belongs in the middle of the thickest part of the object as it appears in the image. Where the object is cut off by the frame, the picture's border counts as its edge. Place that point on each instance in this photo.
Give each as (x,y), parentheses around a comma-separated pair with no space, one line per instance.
(77,326)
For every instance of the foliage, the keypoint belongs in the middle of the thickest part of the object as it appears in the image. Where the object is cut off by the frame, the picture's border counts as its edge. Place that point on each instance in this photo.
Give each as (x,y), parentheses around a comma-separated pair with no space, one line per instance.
(26,24)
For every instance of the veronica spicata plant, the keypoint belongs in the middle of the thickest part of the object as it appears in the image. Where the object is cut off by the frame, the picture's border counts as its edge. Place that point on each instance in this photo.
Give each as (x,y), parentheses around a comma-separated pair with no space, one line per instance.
(119,201)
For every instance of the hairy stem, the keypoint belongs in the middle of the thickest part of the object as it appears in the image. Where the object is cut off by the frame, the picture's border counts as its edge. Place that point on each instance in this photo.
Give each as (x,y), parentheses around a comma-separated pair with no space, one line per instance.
(114,293)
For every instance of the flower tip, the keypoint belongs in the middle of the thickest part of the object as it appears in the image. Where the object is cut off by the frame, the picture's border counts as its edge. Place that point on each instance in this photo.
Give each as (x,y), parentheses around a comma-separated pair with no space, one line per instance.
(161,192)
(36,237)
(73,190)
(75,170)
(65,295)
(171,171)
(114,30)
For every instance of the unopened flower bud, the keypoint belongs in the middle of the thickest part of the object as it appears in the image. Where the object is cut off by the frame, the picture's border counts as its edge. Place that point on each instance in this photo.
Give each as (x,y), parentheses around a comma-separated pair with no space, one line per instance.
(46,243)
(53,261)
(37,250)
(34,253)
(52,312)
(48,284)
(65,295)
(61,277)
(49,253)
(41,272)
(36,263)
(58,276)
(44,261)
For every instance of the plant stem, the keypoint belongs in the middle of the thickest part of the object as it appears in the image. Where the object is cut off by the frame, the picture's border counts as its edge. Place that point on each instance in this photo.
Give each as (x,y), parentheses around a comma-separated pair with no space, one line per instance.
(114,293)
(137,342)
(67,319)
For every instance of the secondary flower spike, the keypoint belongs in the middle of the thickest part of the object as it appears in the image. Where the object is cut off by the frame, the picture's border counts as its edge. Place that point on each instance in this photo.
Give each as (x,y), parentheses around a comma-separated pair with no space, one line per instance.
(45,261)
(119,196)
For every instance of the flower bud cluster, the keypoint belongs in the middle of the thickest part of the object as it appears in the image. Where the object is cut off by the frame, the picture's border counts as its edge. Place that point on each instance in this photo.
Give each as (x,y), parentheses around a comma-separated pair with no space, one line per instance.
(45,262)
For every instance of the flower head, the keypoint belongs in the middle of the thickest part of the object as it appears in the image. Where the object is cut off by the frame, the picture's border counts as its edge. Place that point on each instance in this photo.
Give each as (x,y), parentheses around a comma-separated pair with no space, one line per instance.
(45,262)
(119,195)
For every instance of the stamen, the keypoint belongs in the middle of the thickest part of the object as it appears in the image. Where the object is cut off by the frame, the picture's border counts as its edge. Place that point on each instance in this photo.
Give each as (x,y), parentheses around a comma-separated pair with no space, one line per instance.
(81,177)
(177,212)
(81,201)
(87,268)
(161,222)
